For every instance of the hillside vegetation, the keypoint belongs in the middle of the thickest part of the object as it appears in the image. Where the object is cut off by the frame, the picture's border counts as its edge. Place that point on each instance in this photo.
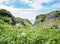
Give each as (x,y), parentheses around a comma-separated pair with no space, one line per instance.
(46,29)
(51,20)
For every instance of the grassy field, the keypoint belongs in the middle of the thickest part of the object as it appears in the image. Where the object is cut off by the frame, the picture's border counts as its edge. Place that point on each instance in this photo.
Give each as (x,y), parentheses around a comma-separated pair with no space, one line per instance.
(12,35)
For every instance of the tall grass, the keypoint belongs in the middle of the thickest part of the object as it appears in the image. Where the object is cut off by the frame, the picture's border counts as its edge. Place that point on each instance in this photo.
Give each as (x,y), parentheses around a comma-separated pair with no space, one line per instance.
(29,35)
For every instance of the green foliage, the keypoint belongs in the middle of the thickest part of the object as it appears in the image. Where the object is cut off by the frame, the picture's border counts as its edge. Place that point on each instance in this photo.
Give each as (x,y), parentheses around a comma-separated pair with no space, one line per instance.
(10,34)
(41,17)
(27,21)
(18,19)
(7,16)
(29,36)
(4,12)
(23,22)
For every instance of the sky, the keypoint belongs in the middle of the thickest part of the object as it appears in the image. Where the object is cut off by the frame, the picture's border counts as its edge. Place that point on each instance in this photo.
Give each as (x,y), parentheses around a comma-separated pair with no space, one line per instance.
(29,9)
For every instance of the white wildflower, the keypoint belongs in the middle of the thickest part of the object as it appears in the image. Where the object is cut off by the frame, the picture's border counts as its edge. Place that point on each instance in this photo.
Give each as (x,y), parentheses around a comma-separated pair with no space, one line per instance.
(23,34)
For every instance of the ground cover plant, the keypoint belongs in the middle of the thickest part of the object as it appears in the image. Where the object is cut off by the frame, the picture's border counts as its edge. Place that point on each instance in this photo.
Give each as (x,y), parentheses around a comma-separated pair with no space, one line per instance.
(21,31)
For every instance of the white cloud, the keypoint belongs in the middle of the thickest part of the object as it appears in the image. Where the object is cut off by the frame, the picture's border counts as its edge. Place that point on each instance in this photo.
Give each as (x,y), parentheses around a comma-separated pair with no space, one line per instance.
(8,2)
(36,4)
(26,1)
(23,13)
(4,1)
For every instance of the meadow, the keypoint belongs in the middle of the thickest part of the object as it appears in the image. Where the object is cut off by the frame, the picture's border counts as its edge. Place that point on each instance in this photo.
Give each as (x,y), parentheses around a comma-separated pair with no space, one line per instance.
(12,35)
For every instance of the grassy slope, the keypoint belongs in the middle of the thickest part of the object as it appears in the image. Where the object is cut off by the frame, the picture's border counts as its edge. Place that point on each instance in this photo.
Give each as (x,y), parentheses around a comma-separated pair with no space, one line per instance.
(48,20)
(11,35)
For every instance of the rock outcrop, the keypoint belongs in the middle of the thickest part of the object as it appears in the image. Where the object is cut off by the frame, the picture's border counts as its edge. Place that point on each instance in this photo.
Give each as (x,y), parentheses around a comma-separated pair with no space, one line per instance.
(49,20)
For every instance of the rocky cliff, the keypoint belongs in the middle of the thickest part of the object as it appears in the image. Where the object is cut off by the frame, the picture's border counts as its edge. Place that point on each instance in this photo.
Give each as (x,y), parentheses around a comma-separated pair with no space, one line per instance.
(49,20)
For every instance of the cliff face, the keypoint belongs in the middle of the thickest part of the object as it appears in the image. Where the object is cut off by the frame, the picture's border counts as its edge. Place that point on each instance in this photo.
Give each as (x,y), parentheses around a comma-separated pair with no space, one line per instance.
(51,20)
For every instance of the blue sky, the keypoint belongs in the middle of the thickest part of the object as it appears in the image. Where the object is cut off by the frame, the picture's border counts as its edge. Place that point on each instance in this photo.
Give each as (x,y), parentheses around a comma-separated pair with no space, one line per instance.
(29,8)
(51,3)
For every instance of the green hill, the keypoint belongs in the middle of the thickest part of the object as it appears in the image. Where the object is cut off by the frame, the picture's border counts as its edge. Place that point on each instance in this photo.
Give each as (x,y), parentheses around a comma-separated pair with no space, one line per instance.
(7,17)
(51,20)
(23,22)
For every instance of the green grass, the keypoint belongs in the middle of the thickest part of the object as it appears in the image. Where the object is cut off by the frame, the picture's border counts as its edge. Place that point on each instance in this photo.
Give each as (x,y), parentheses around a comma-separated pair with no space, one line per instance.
(11,35)
(30,35)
